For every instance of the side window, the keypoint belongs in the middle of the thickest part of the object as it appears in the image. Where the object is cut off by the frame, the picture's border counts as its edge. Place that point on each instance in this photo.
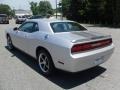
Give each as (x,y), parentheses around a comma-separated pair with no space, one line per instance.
(59,27)
(27,27)
(35,27)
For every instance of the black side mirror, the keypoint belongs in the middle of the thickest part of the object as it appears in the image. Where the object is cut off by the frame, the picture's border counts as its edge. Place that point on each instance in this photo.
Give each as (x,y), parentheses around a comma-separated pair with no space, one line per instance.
(15,29)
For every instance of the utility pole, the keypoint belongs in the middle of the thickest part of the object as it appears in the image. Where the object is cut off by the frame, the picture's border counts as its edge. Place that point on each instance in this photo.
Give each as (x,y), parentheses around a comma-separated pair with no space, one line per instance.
(61,9)
(56,9)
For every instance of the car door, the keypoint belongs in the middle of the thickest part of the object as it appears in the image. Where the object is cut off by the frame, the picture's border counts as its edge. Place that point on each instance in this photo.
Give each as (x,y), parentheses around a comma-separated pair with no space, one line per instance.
(22,34)
(30,38)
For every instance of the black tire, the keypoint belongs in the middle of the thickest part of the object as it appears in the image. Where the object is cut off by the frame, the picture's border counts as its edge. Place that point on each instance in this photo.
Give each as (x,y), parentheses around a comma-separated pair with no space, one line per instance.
(9,43)
(49,63)
(17,22)
(8,22)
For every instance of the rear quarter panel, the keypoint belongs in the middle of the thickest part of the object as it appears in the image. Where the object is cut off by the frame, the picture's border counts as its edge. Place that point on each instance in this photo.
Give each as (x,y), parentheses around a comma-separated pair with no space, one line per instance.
(59,49)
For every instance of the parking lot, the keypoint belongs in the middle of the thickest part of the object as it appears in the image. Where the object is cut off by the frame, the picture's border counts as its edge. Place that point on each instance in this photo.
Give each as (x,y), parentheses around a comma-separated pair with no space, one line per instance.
(19,71)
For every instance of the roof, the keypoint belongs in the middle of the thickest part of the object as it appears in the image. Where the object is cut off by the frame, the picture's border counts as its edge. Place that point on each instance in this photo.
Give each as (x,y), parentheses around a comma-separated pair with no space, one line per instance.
(44,24)
(49,20)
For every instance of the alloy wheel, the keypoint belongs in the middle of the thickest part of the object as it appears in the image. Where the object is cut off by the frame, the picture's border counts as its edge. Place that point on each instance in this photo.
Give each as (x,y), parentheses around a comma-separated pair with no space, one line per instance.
(43,62)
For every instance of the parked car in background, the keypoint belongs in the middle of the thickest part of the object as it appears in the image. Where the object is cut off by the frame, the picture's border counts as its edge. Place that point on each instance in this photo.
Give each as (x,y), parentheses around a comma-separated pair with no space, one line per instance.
(60,44)
(27,16)
(4,19)
(20,19)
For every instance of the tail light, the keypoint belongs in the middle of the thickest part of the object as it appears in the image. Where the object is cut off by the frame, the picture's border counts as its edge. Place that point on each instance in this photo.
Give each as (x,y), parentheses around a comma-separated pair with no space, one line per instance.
(90,45)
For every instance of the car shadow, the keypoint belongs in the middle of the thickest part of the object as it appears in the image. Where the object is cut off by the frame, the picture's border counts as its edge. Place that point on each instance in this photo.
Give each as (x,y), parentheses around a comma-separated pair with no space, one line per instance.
(63,79)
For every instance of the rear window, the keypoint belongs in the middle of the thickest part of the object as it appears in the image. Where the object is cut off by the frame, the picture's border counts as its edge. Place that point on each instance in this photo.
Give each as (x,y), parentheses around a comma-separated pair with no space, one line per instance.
(66,27)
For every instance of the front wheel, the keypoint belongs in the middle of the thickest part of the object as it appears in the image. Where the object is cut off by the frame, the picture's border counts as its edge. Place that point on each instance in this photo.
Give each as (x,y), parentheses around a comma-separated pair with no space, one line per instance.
(9,43)
(45,63)
(7,22)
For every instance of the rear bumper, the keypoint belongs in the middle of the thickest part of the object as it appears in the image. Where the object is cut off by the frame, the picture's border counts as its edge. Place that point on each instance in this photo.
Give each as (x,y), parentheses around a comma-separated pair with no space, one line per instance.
(20,21)
(83,61)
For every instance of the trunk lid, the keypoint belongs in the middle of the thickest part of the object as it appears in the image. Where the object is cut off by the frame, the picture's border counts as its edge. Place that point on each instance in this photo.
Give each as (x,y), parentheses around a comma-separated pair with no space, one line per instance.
(82,36)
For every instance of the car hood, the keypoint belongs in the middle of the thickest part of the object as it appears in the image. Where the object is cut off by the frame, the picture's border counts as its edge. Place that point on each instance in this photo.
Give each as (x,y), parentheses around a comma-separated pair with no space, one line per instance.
(79,36)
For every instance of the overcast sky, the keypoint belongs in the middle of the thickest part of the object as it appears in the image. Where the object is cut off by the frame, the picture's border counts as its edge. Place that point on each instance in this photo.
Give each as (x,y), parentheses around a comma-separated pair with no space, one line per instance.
(23,4)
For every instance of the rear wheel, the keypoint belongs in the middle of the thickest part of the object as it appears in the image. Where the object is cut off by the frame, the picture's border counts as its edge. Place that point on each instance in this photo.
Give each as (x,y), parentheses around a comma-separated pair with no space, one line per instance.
(9,43)
(45,63)
(17,22)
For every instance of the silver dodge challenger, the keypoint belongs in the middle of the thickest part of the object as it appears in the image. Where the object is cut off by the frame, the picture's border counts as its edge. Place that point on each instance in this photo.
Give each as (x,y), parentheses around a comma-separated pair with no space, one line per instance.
(60,44)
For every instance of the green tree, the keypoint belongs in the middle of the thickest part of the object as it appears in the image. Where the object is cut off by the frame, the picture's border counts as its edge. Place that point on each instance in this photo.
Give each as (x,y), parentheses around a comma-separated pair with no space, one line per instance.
(116,12)
(74,9)
(5,9)
(34,8)
(77,10)
(65,4)
(80,10)
(12,13)
(45,8)
(95,9)
(109,11)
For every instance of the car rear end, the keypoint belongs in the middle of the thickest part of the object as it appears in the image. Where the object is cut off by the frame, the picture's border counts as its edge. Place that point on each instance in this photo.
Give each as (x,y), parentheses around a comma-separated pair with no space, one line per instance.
(86,49)
(89,54)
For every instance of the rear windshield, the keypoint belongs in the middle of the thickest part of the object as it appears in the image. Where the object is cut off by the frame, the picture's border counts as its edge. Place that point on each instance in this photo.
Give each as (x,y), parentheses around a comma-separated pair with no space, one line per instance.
(66,27)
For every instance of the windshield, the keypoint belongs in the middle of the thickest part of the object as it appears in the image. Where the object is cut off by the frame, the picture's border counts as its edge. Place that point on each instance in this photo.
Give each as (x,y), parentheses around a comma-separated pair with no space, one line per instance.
(3,15)
(66,27)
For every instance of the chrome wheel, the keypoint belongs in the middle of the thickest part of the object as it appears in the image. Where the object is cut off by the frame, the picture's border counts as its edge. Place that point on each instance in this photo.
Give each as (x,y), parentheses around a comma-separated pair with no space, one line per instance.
(9,43)
(44,62)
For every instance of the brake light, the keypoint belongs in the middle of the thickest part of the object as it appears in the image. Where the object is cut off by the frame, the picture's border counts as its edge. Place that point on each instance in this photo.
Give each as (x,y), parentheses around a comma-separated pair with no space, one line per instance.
(91,45)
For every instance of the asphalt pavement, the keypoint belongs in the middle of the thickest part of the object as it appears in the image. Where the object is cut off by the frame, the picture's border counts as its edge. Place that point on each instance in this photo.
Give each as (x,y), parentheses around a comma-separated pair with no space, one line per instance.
(19,71)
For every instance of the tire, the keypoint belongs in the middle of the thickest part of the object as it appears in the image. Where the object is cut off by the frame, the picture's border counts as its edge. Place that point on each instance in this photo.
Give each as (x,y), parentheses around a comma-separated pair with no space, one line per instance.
(9,43)
(17,22)
(8,22)
(45,63)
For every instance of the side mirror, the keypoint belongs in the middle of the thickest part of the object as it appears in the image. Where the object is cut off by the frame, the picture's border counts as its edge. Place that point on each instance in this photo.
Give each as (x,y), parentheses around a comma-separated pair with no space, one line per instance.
(15,29)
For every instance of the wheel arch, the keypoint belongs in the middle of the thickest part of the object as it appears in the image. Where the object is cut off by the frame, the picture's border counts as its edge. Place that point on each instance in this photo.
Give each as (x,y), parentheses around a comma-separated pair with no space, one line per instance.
(43,48)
